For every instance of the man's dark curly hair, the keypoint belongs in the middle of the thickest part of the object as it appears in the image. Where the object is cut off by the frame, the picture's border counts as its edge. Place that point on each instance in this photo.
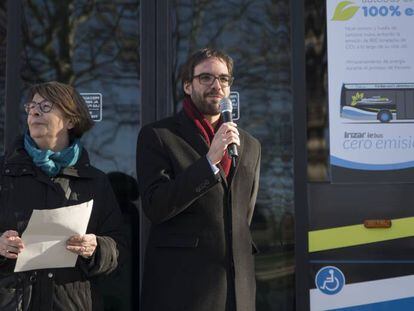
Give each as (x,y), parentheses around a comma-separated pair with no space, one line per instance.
(199,56)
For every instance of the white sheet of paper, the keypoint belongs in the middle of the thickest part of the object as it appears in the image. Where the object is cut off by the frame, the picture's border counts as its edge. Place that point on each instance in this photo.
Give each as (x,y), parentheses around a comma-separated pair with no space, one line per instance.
(46,234)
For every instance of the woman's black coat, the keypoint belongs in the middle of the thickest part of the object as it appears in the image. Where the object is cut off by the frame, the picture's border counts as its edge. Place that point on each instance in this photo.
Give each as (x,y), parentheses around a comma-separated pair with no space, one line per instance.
(25,187)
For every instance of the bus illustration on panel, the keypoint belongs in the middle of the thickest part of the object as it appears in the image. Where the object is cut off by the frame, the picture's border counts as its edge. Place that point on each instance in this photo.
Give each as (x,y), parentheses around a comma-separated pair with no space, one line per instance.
(383,102)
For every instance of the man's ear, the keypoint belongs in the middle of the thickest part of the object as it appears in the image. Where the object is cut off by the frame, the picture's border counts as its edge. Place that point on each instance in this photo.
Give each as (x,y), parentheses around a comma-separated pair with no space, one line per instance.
(188,88)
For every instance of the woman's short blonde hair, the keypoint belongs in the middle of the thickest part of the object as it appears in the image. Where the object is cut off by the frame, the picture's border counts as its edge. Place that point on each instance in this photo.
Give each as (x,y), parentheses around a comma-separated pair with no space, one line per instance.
(69,101)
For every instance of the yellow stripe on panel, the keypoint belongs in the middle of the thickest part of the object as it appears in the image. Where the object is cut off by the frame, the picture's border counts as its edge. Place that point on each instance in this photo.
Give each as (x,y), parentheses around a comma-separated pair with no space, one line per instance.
(325,239)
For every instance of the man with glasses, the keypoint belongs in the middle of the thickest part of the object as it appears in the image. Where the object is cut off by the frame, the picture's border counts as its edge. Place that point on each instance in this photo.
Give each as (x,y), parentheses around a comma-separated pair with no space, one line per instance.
(199,254)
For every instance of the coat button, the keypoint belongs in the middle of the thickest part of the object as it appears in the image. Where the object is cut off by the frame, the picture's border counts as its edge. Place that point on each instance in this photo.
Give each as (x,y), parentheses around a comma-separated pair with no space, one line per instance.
(50,275)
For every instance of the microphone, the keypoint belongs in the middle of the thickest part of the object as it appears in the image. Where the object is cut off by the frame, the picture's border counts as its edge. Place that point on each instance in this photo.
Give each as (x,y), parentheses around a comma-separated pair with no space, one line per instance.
(226,109)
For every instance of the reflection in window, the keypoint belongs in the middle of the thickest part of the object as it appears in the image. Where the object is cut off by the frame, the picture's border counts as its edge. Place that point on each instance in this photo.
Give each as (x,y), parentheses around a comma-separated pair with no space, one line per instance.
(260,48)
(316,90)
(3,33)
(93,46)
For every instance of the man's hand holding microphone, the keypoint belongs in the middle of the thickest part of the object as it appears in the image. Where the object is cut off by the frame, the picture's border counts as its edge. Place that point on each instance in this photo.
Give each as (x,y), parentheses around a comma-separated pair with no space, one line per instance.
(226,137)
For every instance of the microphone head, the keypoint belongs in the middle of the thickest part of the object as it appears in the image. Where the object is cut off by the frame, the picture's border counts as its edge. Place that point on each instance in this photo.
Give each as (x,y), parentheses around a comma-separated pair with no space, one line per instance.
(226,105)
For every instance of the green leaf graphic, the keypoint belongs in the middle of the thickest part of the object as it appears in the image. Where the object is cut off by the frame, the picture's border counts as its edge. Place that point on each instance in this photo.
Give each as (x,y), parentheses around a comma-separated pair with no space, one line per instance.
(357,97)
(344,12)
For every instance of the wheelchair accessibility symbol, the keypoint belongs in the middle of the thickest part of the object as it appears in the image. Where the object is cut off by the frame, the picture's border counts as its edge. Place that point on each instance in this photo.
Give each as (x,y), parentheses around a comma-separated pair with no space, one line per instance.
(330,280)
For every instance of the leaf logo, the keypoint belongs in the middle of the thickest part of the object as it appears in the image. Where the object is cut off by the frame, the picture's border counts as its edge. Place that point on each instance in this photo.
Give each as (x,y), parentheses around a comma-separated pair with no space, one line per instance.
(357,97)
(344,11)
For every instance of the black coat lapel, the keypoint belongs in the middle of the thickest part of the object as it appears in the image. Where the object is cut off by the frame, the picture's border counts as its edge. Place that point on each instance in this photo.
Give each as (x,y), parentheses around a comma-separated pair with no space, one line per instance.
(189,131)
(240,148)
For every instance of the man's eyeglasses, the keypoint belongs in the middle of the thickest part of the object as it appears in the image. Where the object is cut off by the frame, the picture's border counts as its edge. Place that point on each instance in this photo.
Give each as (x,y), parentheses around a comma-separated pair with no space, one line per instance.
(208,79)
(44,106)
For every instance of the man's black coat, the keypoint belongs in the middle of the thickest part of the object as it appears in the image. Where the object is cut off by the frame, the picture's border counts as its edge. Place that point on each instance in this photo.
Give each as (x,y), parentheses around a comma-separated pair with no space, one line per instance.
(199,246)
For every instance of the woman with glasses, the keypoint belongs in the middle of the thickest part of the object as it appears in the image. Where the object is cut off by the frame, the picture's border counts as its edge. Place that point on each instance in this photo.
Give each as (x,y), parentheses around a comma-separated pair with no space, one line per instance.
(47,168)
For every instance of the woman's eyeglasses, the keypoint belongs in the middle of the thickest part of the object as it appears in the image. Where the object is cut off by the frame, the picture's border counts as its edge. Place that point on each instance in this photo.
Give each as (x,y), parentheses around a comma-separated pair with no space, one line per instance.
(44,106)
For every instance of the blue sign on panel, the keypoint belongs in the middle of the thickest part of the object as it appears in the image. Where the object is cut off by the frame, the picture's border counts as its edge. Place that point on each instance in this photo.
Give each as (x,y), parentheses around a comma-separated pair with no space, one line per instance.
(330,280)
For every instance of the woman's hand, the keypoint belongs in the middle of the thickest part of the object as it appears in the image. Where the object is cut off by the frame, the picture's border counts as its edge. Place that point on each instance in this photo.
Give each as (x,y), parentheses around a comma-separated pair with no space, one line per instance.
(83,245)
(10,244)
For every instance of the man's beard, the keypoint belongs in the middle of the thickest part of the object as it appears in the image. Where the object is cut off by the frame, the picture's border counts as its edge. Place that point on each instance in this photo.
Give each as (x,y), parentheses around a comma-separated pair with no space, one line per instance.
(202,104)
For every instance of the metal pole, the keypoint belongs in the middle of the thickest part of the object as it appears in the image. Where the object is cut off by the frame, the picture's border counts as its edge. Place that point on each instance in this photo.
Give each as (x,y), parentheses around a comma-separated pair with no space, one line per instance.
(13,81)
(300,153)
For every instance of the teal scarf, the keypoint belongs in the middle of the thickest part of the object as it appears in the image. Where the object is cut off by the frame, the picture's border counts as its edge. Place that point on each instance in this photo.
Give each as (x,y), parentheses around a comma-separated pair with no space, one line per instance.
(49,161)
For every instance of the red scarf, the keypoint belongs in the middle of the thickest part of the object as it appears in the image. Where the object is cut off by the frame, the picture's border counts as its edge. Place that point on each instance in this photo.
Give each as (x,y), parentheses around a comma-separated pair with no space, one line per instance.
(206,129)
